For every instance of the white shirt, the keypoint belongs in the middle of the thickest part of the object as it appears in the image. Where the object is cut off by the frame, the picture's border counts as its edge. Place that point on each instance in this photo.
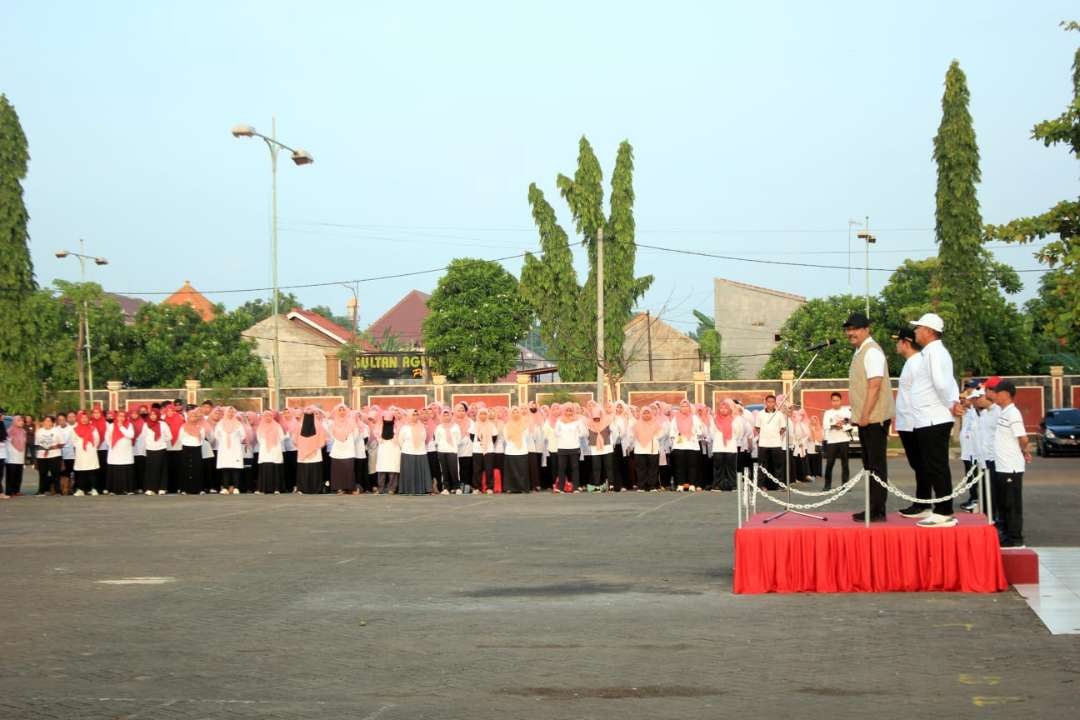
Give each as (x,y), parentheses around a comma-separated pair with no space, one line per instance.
(187,440)
(719,445)
(934,390)
(86,458)
(162,442)
(769,425)
(45,439)
(905,412)
(832,417)
(568,435)
(121,451)
(985,432)
(969,447)
(406,435)
(68,433)
(343,449)
(230,453)
(873,360)
(681,442)
(447,438)
(1007,455)
(360,440)
(653,446)
(140,442)
(273,454)
(15,457)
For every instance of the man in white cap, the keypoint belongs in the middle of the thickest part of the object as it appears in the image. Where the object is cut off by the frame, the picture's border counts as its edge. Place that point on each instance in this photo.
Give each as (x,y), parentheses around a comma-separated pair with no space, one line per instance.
(935,403)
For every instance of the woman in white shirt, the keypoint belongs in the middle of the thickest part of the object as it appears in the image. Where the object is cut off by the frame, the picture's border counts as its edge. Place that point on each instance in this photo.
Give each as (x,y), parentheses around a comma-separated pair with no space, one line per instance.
(310,441)
(66,425)
(229,438)
(568,433)
(360,441)
(645,433)
(388,455)
(516,448)
(271,439)
(343,434)
(536,440)
(190,438)
(684,430)
(620,424)
(86,465)
(447,440)
(121,455)
(601,449)
(49,440)
(415,471)
(726,432)
(484,434)
(157,438)
(138,421)
(464,452)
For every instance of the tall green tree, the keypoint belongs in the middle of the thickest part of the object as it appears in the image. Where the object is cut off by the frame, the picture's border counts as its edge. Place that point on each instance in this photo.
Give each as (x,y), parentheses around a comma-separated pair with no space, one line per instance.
(957,291)
(20,384)
(477,317)
(710,343)
(1061,318)
(567,311)
(260,309)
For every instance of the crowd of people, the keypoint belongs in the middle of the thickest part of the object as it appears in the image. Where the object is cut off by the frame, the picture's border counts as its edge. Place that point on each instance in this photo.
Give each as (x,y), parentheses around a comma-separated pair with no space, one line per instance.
(466,449)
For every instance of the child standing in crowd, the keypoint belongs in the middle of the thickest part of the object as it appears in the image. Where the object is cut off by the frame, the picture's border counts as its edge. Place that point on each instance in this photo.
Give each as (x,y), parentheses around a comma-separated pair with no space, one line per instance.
(1011,452)
(49,442)
(16,455)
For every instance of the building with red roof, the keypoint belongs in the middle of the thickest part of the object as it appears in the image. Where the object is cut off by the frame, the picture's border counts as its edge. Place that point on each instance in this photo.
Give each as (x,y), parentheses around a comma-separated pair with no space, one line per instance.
(188,295)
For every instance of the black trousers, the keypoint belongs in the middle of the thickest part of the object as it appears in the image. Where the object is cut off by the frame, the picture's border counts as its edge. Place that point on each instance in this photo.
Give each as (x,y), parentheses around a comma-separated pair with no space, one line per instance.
(14,478)
(140,472)
(49,475)
(834,452)
(1012,507)
(874,439)
(603,468)
(995,491)
(647,468)
(914,458)
(622,468)
(156,476)
(174,470)
(436,471)
(101,478)
(483,471)
(772,459)
(933,444)
(448,470)
(84,480)
(231,477)
(744,461)
(567,469)
(465,469)
(535,473)
(723,470)
(684,466)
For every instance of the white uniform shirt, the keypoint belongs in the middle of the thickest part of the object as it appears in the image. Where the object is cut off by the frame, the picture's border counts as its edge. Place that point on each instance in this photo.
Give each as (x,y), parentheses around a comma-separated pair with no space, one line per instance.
(934,390)
(1008,457)
(873,361)
(121,450)
(690,442)
(969,446)
(360,440)
(406,437)
(985,433)
(162,442)
(719,445)
(343,449)
(140,441)
(68,433)
(45,439)
(769,426)
(447,438)
(905,412)
(230,447)
(86,458)
(568,435)
(842,416)
(273,454)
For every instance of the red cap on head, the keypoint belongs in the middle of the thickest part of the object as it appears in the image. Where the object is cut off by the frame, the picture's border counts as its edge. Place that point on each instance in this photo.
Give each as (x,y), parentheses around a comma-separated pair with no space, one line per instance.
(992,382)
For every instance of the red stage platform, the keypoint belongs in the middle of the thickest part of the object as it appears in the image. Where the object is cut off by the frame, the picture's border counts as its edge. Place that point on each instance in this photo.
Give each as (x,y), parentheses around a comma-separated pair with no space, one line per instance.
(797,554)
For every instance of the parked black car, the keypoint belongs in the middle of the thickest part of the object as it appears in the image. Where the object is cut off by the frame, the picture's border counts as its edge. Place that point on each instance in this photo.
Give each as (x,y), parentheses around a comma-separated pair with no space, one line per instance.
(1060,432)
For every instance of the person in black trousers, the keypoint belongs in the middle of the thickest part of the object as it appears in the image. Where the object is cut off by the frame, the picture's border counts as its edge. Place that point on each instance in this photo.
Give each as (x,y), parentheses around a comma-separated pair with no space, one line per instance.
(837,442)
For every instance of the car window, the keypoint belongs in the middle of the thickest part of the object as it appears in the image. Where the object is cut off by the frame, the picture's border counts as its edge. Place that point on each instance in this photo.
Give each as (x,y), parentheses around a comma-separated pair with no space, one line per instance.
(1064,417)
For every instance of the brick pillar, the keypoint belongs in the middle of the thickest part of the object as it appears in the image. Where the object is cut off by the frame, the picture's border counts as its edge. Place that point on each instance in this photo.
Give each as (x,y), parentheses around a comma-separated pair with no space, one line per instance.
(114,386)
(333,370)
(699,386)
(523,389)
(787,380)
(439,381)
(1057,388)
(192,388)
(356,394)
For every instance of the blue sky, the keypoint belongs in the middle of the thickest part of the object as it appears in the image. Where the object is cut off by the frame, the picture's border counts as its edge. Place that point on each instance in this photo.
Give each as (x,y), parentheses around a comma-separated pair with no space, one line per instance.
(759,131)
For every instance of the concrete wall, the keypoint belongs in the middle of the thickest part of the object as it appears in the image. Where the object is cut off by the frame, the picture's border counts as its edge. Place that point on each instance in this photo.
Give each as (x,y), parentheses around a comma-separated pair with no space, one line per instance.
(303,353)
(675,355)
(748,318)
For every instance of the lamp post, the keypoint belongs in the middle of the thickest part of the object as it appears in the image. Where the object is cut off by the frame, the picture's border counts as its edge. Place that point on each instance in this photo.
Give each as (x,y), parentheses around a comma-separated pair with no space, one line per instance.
(300,157)
(84,324)
(870,240)
(600,315)
(353,306)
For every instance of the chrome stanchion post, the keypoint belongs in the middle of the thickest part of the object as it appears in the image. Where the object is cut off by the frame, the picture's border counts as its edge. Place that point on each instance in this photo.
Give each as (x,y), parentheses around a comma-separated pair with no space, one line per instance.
(867,479)
(988,493)
(739,490)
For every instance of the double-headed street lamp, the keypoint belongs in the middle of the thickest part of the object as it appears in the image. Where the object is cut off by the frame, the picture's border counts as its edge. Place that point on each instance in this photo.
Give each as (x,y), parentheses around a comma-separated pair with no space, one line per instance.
(870,240)
(300,157)
(84,325)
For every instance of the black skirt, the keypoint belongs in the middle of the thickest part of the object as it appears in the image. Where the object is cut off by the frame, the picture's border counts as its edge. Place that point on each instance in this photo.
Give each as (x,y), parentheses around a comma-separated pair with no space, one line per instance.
(191,469)
(516,479)
(121,479)
(342,474)
(309,478)
(415,475)
(270,478)
(155,478)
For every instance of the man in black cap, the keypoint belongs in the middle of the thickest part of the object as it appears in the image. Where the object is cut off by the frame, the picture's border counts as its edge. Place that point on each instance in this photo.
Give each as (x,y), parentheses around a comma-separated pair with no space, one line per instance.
(870,394)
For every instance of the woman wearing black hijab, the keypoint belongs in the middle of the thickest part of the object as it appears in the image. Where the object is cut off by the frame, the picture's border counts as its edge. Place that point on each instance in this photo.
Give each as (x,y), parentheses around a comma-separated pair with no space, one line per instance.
(309,446)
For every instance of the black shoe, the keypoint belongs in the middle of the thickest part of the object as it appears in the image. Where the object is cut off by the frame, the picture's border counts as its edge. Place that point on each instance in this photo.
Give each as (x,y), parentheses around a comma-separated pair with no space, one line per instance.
(915,511)
(874,517)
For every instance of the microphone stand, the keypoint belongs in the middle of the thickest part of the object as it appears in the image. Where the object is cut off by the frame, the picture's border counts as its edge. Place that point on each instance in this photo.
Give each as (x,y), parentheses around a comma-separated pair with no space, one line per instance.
(787,449)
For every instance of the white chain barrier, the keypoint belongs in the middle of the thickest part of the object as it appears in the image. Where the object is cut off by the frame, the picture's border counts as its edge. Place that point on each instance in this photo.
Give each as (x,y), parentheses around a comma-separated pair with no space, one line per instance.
(807,493)
(973,476)
(843,490)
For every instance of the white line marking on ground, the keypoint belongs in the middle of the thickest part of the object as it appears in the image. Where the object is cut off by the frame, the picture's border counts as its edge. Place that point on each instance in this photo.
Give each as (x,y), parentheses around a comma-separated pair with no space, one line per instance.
(138,581)
(663,504)
(345,561)
(377,713)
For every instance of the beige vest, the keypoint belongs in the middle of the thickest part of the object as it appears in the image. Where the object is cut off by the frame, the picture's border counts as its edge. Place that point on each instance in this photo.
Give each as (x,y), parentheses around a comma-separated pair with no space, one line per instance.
(857,386)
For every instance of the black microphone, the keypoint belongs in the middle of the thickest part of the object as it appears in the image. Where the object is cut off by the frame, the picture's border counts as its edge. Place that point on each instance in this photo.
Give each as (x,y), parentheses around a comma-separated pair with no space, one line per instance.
(820,345)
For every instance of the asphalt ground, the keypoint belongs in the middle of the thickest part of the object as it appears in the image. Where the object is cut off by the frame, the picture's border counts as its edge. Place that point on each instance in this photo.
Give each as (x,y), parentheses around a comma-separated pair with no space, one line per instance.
(541,606)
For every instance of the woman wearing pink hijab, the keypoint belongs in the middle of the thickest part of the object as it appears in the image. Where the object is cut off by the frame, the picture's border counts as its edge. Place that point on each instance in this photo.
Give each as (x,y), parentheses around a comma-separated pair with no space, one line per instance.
(726,432)
(343,432)
(684,431)
(310,441)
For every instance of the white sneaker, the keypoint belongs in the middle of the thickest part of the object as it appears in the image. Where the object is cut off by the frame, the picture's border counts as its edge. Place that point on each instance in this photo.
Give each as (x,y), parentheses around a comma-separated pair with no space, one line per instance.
(148,492)
(458,491)
(445,492)
(256,493)
(236,491)
(104,492)
(938,521)
(93,493)
(203,493)
(679,489)
(277,492)
(79,493)
(160,492)
(213,491)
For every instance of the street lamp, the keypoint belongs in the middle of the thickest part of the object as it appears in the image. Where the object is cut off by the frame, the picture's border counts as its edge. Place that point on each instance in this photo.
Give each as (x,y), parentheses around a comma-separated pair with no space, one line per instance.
(84,325)
(870,240)
(300,157)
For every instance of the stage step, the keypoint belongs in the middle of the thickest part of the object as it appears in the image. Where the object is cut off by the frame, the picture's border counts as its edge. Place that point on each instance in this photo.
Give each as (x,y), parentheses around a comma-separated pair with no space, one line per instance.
(1021,566)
